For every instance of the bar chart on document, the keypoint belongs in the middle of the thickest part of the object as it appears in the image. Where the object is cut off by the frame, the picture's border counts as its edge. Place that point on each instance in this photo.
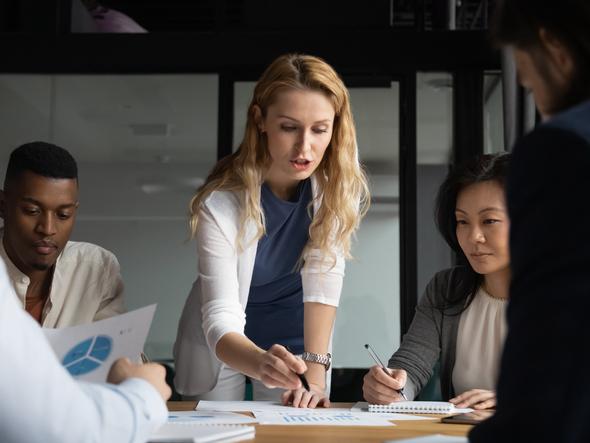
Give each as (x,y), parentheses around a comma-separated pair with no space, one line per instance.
(317,417)
(314,418)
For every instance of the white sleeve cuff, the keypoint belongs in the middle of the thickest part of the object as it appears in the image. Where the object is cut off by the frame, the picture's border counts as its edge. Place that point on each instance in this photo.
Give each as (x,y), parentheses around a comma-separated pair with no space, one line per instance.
(322,279)
(155,410)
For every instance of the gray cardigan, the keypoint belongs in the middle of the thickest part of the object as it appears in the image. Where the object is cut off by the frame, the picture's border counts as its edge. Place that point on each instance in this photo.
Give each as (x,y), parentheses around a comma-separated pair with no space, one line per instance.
(432,336)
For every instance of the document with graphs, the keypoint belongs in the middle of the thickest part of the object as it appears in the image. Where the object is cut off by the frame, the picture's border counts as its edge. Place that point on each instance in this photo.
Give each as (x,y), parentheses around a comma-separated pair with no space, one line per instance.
(88,351)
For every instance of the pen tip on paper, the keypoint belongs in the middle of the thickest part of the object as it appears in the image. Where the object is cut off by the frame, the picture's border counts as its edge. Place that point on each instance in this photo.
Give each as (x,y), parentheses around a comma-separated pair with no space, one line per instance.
(366,346)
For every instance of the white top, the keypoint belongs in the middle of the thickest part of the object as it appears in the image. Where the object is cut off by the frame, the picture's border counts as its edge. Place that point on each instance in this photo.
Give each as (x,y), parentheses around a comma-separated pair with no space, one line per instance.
(480,340)
(217,302)
(86,286)
(41,403)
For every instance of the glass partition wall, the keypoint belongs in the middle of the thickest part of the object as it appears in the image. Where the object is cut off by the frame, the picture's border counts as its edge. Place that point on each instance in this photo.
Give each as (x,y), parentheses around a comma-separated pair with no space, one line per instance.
(143,144)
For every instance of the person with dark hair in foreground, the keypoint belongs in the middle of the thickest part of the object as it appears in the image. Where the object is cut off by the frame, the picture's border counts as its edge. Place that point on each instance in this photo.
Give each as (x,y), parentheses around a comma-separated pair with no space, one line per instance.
(41,403)
(543,393)
(460,319)
(59,282)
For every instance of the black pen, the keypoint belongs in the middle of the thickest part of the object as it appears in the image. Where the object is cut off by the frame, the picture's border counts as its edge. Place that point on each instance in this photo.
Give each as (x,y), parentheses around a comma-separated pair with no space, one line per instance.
(303,381)
(301,376)
(380,363)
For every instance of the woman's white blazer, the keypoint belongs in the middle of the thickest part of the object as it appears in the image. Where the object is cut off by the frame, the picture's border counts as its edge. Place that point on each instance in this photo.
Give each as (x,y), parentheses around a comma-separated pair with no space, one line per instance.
(217,302)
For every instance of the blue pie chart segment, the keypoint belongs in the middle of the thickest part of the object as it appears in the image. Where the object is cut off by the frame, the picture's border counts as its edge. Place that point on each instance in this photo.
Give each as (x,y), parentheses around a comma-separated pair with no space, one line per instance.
(102,348)
(88,355)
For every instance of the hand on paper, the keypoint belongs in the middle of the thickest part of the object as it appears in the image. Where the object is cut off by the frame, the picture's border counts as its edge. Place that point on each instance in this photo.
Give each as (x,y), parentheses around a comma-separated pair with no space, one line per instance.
(300,398)
(380,388)
(153,373)
(476,399)
(278,368)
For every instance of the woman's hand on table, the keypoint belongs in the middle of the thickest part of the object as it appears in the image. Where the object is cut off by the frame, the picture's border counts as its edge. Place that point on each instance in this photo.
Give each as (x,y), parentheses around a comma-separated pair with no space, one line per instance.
(476,399)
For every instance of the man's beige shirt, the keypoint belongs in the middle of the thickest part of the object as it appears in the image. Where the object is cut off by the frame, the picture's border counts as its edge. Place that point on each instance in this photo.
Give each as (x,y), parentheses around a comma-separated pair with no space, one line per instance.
(86,287)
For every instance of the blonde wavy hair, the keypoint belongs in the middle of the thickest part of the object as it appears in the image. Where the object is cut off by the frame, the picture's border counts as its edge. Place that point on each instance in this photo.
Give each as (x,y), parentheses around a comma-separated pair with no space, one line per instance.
(342,184)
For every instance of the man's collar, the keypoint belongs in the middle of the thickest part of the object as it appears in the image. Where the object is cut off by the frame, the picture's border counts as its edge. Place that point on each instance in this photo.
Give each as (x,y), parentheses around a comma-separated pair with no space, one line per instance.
(15,274)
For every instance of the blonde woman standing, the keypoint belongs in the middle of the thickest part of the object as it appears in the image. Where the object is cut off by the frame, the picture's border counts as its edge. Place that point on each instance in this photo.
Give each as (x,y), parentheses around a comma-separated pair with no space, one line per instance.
(273,224)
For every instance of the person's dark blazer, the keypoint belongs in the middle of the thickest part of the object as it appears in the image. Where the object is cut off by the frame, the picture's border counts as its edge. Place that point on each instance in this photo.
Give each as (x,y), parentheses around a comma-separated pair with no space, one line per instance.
(544,386)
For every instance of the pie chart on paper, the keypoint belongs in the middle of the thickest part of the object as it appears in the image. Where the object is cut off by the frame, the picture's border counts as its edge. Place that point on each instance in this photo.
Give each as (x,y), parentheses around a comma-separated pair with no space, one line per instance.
(88,355)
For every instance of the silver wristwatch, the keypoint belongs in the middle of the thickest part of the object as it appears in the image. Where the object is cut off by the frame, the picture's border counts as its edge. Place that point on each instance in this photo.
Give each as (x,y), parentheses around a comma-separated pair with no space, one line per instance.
(322,359)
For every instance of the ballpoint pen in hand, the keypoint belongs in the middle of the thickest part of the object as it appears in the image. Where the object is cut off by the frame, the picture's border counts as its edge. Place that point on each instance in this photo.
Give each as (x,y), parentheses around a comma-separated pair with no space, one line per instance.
(380,363)
(301,376)
(304,381)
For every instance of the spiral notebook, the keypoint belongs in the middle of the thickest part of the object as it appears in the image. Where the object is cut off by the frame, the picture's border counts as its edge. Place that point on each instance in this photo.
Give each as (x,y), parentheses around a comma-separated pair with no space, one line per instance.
(419,407)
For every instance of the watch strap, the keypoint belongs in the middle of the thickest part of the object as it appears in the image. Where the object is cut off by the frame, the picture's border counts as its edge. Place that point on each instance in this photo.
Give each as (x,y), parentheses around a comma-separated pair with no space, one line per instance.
(322,359)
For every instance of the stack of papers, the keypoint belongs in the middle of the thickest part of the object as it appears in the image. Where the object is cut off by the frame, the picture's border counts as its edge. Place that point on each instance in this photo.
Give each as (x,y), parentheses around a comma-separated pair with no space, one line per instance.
(205,427)
(177,433)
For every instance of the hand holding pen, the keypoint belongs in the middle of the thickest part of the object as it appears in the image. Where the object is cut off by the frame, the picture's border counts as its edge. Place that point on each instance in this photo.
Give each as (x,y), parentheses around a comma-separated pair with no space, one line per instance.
(301,376)
(279,368)
(380,381)
(309,395)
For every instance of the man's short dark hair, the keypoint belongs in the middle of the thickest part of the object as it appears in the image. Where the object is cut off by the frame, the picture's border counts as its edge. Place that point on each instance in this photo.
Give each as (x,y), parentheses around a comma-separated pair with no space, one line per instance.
(41,158)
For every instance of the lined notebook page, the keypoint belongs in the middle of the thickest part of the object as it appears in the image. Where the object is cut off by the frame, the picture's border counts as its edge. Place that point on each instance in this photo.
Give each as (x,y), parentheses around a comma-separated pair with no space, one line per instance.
(419,407)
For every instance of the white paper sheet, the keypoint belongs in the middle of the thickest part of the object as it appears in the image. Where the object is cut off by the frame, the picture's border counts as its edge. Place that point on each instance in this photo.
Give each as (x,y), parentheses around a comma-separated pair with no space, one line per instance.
(88,351)
(208,418)
(362,407)
(435,438)
(319,417)
(248,406)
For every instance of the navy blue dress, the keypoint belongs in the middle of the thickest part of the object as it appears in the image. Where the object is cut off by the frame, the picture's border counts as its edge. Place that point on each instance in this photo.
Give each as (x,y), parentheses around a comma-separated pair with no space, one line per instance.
(274,313)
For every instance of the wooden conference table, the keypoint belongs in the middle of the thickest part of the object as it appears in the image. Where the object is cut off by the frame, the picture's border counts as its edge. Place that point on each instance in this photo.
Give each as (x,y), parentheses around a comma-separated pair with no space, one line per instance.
(342,434)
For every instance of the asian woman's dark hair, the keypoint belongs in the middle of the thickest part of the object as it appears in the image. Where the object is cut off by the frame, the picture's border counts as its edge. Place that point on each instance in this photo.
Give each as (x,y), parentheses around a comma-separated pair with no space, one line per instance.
(517,23)
(481,169)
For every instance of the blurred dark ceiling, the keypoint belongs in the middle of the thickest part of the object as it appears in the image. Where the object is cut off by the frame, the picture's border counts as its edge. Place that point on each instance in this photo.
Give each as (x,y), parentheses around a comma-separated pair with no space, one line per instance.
(205,15)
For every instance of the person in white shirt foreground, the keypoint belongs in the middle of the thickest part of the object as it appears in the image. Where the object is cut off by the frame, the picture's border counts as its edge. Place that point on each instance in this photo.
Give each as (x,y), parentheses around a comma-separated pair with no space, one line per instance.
(41,402)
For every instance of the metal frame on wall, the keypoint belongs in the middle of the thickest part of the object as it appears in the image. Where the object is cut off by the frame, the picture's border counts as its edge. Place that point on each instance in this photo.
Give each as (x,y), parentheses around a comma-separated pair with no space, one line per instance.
(408,201)
(468,102)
